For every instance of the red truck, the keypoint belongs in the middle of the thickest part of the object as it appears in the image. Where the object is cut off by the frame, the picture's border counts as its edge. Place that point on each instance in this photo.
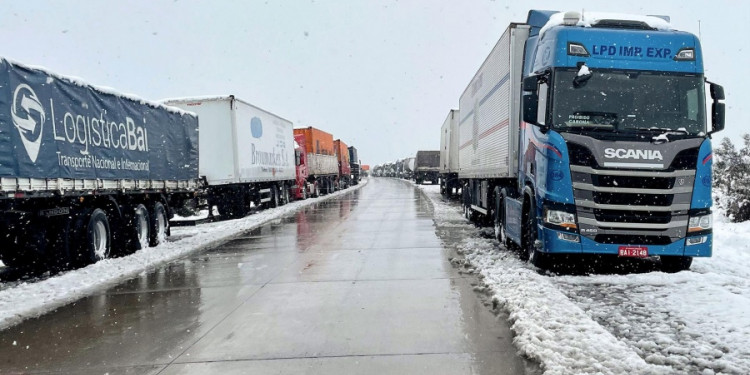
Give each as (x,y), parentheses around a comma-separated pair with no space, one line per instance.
(345,169)
(321,160)
(301,188)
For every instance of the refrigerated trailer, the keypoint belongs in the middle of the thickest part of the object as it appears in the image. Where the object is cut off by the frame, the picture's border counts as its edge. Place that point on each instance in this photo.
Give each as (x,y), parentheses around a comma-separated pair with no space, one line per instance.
(449,184)
(86,173)
(246,154)
(587,134)
(323,168)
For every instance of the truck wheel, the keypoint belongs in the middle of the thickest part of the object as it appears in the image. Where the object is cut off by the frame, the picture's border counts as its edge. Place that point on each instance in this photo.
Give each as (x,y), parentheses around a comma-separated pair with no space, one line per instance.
(94,237)
(672,264)
(159,225)
(284,195)
(142,226)
(531,253)
(499,217)
(274,202)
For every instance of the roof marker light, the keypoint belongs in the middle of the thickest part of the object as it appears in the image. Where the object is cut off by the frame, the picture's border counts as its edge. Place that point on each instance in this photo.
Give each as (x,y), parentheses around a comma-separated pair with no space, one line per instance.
(576,49)
(685,54)
(571,18)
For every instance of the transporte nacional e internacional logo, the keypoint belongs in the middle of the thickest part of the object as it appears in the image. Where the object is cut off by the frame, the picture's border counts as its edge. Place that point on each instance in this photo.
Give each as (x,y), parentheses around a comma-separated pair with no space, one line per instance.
(28,117)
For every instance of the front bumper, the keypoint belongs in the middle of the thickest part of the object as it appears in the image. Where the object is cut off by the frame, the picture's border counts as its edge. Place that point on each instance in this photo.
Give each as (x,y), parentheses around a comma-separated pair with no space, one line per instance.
(553,244)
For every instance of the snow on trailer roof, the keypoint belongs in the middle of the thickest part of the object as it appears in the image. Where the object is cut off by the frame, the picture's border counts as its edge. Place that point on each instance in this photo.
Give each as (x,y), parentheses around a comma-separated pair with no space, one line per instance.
(208,98)
(101,89)
(591,19)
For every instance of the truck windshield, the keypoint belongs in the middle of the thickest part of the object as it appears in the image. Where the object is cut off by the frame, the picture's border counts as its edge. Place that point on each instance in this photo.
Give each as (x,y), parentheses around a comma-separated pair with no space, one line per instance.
(629,101)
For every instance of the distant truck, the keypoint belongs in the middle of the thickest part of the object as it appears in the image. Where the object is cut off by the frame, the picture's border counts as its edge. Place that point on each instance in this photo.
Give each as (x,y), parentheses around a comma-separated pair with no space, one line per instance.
(354,165)
(345,169)
(246,154)
(365,170)
(427,167)
(301,188)
(449,183)
(408,166)
(587,134)
(322,162)
(86,173)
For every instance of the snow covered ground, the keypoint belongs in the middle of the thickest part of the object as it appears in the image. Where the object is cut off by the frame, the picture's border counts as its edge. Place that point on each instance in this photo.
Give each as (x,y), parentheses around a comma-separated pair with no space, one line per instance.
(31,299)
(694,322)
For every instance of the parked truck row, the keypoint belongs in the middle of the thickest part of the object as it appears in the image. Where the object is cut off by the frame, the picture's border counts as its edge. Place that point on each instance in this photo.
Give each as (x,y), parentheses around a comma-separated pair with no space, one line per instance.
(587,134)
(87,173)
(421,168)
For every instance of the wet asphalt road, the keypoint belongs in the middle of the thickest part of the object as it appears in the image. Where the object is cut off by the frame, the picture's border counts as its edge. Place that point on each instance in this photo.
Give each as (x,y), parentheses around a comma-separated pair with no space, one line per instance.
(359,284)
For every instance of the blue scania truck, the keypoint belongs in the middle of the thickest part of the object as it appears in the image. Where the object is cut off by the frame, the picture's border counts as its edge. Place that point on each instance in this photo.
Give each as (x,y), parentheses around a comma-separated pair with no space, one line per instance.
(587,134)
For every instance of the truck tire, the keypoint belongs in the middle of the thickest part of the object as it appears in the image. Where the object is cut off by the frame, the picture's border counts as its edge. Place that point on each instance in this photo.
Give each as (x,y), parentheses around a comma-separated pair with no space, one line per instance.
(159,224)
(284,195)
(672,264)
(142,225)
(274,202)
(531,253)
(93,239)
(501,221)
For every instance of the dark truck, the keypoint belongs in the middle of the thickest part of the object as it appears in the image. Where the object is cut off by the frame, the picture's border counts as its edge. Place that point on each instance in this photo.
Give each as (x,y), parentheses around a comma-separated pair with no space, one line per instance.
(427,167)
(86,173)
(354,164)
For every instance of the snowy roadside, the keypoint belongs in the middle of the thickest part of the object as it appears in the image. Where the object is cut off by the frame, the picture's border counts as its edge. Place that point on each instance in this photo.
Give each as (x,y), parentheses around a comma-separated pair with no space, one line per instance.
(28,300)
(647,323)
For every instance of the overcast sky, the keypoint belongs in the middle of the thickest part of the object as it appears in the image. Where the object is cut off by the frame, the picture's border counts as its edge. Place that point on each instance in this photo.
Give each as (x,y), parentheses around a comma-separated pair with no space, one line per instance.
(381,75)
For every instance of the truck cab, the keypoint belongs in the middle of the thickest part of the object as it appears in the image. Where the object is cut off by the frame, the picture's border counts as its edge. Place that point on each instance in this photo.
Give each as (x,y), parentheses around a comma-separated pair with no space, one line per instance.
(614,149)
(300,189)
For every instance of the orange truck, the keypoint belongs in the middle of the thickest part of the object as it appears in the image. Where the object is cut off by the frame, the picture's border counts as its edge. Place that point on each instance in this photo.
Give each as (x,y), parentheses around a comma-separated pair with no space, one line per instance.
(345,169)
(322,162)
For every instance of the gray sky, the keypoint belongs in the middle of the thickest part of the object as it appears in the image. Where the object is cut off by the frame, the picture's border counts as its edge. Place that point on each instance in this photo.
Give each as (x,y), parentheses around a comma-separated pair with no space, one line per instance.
(381,75)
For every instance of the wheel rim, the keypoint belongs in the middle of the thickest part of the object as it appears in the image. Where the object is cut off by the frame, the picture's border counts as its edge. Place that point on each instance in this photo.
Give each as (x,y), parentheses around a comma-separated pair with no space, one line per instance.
(141,224)
(100,240)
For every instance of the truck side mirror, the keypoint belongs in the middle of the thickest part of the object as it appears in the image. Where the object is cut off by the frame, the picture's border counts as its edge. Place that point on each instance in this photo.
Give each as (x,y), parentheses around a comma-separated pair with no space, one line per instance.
(718,109)
(530,104)
(530,83)
(717,92)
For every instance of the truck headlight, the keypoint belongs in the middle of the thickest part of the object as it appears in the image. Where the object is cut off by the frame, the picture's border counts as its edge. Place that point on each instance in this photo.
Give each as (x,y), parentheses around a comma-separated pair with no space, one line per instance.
(700,223)
(560,218)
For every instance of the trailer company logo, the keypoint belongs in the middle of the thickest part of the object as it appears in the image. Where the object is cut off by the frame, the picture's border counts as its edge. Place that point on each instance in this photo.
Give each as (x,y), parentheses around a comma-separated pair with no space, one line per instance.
(79,131)
(256,127)
(621,153)
(28,117)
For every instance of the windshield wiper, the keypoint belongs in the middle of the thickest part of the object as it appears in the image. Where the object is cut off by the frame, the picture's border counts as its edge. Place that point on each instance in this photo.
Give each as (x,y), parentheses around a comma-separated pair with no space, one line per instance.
(654,129)
(592,127)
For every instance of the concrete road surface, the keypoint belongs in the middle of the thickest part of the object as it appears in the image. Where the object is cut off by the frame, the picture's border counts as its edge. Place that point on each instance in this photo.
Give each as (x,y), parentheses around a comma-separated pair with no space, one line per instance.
(356,285)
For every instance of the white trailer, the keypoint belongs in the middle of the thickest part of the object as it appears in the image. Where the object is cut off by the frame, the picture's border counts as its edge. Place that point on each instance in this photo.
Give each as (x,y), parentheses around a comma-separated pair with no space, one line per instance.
(488,143)
(449,185)
(489,114)
(246,153)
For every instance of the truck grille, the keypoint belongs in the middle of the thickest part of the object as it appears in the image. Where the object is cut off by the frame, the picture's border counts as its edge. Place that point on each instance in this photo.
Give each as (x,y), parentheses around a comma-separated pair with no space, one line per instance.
(629,206)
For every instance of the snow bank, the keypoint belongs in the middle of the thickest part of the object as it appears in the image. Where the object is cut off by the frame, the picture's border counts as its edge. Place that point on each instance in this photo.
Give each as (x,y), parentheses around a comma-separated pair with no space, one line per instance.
(651,323)
(34,299)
